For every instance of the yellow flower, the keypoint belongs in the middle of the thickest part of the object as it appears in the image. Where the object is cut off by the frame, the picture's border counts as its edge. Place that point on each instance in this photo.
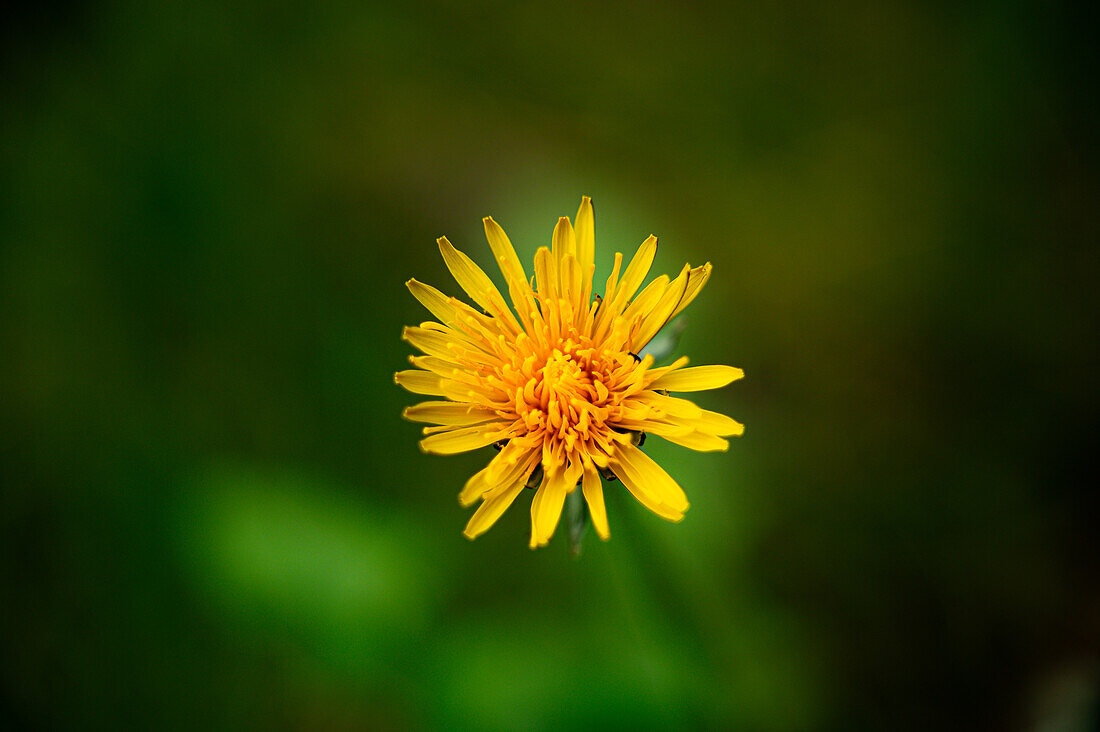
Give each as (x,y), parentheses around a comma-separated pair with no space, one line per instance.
(557,384)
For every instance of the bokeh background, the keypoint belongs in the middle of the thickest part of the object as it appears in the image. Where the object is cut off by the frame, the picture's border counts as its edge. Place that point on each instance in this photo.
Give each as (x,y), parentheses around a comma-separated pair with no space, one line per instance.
(213,516)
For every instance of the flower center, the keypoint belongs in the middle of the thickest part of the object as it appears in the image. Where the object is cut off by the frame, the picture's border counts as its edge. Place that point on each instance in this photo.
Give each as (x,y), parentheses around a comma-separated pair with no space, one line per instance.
(568,398)
(563,379)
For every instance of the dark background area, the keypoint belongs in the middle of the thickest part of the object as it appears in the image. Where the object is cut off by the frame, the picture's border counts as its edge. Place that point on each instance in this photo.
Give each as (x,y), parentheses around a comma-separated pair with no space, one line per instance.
(212,514)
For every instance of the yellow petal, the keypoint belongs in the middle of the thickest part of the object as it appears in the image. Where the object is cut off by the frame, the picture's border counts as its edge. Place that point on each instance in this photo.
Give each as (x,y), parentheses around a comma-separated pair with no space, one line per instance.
(462,439)
(592,489)
(636,271)
(455,414)
(612,285)
(431,342)
(672,406)
(656,426)
(699,441)
(491,509)
(460,391)
(420,382)
(696,279)
(454,334)
(654,374)
(435,301)
(584,229)
(513,463)
(507,259)
(720,424)
(436,365)
(573,472)
(647,299)
(563,241)
(698,378)
(661,311)
(475,282)
(571,283)
(510,266)
(546,509)
(649,483)
(546,275)
(474,488)
(624,290)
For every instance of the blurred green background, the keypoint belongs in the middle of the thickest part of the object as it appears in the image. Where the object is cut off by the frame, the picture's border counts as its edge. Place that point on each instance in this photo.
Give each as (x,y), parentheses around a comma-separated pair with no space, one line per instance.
(213,516)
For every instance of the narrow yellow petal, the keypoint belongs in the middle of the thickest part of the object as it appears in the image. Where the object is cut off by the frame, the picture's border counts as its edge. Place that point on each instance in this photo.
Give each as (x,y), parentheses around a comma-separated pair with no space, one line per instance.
(420,382)
(699,441)
(624,290)
(462,391)
(654,374)
(698,378)
(519,289)
(455,414)
(507,259)
(445,368)
(637,270)
(573,472)
(571,283)
(456,335)
(474,488)
(445,346)
(592,489)
(431,342)
(563,241)
(462,439)
(491,509)
(662,311)
(513,463)
(584,229)
(546,275)
(546,509)
(656,426)
(696,279)
(719,424)
(672,406)
(649,483)
(612,285)
(647,299)
(475,282)
(435,301)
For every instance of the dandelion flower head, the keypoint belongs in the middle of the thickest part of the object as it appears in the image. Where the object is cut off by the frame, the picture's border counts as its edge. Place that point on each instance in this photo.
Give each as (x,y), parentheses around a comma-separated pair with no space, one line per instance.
(555,381)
